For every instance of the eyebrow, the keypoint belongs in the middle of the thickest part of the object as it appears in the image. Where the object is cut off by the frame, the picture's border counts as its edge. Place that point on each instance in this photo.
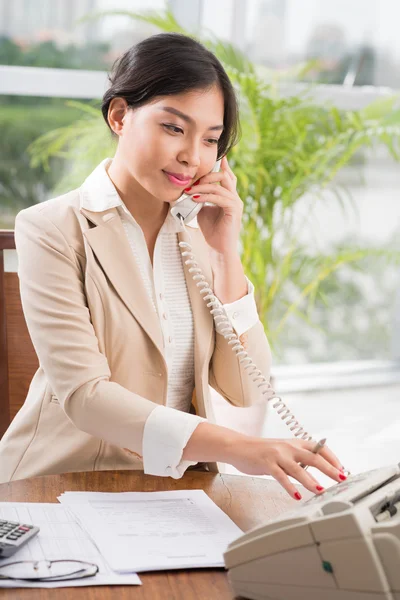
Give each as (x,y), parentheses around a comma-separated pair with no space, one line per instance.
(188,119)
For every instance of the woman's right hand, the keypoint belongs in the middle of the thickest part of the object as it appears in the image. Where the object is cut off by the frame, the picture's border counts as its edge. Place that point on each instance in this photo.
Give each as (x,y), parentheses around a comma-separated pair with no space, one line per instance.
(281,457)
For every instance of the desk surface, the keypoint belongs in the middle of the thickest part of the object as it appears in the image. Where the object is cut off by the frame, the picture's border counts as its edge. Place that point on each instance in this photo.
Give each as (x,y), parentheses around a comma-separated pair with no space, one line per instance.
(249,501)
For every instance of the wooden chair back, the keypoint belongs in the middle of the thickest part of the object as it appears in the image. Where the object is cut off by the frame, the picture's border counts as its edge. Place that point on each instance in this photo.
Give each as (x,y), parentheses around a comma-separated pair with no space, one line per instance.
(18,359)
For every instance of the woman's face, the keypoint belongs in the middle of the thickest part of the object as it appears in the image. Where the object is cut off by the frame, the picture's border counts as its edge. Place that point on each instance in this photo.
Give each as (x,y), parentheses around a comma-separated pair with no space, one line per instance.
(170,143)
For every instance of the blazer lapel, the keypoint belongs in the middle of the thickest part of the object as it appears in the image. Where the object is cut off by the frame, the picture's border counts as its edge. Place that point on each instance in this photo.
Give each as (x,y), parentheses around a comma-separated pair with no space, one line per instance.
(110,245)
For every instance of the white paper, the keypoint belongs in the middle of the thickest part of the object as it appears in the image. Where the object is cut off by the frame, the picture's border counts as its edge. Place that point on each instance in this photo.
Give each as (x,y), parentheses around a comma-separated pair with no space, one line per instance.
(148,531)
(59,537)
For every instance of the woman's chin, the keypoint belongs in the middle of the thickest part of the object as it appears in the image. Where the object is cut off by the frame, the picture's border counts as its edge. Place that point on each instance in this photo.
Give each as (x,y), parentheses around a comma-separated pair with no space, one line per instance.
(174,199)
(168,198)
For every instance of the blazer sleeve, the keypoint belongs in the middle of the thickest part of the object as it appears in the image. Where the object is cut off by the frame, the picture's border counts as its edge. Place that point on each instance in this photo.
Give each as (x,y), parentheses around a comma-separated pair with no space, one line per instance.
(58,319)
(229,378)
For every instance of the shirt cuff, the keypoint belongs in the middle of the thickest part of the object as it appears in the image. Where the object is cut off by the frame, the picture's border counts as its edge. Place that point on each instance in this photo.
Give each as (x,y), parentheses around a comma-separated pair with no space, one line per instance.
(242,313)
(166,433)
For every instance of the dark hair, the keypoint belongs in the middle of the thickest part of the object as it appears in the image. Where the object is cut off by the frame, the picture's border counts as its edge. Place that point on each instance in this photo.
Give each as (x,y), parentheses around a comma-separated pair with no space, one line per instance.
(167,64)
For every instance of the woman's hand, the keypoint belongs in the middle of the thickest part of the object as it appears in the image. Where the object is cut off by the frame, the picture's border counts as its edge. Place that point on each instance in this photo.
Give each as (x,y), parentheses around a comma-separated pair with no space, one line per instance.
(261,456)
(220,224)
(281,457)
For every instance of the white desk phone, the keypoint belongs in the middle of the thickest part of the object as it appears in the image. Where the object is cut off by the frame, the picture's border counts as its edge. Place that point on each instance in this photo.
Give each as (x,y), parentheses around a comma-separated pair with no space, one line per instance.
(341,545)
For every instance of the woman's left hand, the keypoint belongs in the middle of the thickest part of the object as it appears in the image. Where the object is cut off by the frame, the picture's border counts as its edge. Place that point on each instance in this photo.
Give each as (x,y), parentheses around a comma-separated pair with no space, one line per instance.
(220,224)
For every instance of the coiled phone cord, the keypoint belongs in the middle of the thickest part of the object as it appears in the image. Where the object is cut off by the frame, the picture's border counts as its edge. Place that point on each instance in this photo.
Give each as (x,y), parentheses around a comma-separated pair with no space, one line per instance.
(227,331)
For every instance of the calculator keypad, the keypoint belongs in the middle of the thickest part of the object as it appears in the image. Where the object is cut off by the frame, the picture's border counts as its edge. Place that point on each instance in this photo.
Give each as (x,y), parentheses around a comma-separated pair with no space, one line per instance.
(11,534)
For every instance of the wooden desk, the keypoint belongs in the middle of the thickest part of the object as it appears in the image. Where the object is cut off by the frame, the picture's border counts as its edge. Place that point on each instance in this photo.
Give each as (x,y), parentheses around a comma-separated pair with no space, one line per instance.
(248,501)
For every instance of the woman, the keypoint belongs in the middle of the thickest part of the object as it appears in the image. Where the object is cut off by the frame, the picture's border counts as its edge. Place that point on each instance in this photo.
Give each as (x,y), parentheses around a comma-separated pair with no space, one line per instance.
(122,334)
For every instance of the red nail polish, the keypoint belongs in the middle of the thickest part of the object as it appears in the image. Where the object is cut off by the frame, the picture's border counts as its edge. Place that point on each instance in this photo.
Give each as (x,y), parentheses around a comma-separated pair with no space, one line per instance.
(196,196)
(319,488)
(297,496)
(187,189)
(197,182)
(342,477)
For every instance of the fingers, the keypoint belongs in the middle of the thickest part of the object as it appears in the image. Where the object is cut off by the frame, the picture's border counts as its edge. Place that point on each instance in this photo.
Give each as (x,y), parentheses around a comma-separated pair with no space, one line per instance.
(217,194)
(229,206)
(331,457)
(210,188)
(285,457)
(319,462)
(211,178)
(306,479)
(226,167)
(225,177)
(326,453)
(282,478)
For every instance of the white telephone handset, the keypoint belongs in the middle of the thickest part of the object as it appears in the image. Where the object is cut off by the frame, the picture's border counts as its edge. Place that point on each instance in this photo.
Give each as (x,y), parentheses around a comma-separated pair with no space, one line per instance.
(184,208)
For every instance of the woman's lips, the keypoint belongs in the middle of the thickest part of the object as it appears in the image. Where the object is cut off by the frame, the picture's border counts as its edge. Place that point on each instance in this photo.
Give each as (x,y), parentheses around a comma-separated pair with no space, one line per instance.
(180,182)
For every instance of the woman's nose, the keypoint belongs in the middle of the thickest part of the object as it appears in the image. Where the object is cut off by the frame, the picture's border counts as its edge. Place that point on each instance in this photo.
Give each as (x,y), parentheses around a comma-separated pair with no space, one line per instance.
(190,157)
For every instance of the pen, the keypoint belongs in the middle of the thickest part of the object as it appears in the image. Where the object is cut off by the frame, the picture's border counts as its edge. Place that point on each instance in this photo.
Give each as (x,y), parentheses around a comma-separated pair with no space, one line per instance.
(318,446)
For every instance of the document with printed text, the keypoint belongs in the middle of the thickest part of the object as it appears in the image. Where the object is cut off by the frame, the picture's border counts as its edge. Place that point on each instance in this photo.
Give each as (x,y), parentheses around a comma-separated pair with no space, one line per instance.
(149,531)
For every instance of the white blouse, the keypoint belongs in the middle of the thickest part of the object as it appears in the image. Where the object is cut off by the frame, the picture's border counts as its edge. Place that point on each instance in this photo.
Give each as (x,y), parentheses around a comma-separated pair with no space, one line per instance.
(168,428)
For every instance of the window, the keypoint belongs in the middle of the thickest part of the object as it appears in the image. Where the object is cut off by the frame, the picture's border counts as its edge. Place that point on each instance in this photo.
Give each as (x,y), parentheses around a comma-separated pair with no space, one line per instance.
(51,33)
(22,120)
(355,42)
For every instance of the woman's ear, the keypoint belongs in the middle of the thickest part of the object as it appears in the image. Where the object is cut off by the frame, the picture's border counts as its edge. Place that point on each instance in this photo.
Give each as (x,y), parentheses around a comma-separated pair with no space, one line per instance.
(116,113)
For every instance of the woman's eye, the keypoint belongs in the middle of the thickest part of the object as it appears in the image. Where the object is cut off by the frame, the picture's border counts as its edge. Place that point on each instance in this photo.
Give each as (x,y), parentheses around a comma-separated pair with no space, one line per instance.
(173,128)
(176,129)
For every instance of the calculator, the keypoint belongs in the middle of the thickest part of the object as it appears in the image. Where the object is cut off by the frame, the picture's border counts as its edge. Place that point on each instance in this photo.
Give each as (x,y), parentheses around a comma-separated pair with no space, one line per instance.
(14,535)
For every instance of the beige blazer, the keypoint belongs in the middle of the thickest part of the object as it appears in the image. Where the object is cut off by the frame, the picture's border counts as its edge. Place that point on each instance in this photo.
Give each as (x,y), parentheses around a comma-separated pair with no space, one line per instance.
(102,369)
